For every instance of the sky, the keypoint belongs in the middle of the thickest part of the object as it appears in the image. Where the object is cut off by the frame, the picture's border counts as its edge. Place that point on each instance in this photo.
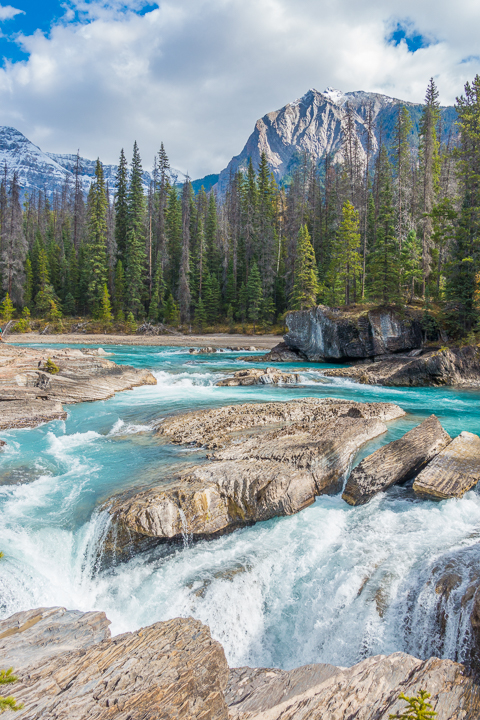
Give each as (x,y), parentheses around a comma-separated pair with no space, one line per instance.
(96,75)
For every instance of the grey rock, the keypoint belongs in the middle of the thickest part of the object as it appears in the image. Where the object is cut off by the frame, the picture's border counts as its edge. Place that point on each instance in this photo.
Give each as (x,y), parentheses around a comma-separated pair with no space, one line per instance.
(458,367)
(322,334)
(254,478)
(252,376)
(166,671)
(396,462)
(367,691)
(280,353)
(454,471)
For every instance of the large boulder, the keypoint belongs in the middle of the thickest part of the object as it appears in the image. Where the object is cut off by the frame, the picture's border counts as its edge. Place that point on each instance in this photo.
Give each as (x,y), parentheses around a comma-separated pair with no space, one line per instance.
(252,478)
(69,668)
(322,334)
(396,462)
(454,471)
(445,366)
(367,691)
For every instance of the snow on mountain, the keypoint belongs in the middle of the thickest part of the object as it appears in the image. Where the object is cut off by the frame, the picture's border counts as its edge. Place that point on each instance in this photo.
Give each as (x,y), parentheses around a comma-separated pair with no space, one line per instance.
(313,125)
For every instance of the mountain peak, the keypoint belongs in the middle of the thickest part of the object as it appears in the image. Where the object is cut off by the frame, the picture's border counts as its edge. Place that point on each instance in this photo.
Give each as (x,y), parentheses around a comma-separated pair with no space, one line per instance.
(334,95)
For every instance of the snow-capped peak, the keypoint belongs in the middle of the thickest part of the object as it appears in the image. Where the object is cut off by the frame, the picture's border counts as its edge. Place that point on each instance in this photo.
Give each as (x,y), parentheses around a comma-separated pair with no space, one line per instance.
(333,95)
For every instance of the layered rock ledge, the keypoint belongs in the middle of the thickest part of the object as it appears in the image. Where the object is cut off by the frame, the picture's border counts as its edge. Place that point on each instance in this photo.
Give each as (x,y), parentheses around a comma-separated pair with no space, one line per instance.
(168,670)
(69,668)
(396,462)
(454,471)
(458,367)
(252,376)
(270,460)
(321,333)
(30,395)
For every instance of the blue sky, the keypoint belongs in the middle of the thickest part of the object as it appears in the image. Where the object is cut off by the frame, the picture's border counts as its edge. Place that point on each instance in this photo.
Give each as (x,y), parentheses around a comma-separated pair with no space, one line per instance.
(197,74)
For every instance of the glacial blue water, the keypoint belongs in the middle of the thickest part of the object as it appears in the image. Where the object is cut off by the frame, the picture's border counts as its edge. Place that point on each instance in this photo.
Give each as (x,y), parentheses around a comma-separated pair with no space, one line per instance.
(331,584)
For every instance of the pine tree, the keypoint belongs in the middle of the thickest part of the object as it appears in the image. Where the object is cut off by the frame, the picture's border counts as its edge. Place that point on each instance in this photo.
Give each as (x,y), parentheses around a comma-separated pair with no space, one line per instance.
(119,291)
(430,163)
(7,308)
(14,246)
(401,152)
(184,293)
(384,266)
(69,305)
(121,207)
(305,284)
(45,292)
(173,228)
(170,311)
(200,317)
(106,308)
(460,311)
(97,241)
(135,251)
(28,294)
(349,258)
(255,294)
(411,264)
(155,311)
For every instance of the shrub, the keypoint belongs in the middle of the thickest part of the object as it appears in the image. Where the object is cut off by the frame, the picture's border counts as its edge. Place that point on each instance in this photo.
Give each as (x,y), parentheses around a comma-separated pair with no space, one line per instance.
(8,703)
(417,708)
(51,368)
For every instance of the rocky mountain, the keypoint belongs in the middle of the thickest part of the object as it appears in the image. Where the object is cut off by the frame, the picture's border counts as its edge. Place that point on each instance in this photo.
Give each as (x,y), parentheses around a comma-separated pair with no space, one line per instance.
(50,171)
(313,124)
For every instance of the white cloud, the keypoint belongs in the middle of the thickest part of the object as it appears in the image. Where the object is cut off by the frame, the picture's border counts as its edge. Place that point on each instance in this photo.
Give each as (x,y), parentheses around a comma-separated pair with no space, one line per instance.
(198,73)
(7,12)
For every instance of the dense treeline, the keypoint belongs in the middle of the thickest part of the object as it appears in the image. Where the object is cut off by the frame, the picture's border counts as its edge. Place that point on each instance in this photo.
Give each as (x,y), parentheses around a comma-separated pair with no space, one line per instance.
(397,224)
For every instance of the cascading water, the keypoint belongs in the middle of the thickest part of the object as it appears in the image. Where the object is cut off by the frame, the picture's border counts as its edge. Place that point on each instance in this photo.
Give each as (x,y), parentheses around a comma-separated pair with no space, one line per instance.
(331,584)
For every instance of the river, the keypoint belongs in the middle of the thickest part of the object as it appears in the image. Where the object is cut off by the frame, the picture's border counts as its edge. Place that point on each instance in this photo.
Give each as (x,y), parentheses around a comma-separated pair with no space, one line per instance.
(332,584)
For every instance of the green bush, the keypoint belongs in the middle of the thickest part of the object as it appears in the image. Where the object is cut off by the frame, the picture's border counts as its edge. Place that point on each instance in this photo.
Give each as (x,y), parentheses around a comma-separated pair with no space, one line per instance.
(8,703)
(417,708)
(51,368)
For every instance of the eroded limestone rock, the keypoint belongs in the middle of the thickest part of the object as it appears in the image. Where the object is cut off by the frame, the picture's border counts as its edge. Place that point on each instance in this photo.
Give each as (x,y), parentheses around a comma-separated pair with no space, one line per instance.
(253,376)
(396,462)
(167,671)
(454,471)
(459,367)
(30,395)
(272,473)
(366,691)
(280,353)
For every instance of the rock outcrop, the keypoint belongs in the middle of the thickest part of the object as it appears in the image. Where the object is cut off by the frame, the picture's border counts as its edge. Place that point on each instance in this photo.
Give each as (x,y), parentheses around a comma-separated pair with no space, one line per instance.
(367,691)
(448,366)
(70,669)
(252,376)
(454,471)
(396,462)
(280,353)
(30,395)
(272,473)
(322,334)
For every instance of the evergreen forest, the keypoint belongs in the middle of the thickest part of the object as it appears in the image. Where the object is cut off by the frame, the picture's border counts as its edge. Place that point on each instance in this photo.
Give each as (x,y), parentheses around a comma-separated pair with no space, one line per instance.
(398,224)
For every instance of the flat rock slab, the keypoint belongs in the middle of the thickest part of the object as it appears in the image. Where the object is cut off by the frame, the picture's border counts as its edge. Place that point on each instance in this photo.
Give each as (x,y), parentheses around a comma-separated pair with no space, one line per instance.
(252,477)
(366,691)
(167,671)
(453,472)
(396,462)
(29,395)
(252,376)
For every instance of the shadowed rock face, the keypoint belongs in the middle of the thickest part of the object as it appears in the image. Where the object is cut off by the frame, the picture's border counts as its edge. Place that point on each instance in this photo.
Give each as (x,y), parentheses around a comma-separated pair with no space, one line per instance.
(274,473)
(166,671)
(322,334)
(453,471)
(367,691)
(396,462)
(449,366)
(29,395)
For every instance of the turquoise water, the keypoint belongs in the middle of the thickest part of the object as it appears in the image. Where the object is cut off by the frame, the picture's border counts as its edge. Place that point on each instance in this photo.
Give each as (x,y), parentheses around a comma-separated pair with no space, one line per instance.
(331,584)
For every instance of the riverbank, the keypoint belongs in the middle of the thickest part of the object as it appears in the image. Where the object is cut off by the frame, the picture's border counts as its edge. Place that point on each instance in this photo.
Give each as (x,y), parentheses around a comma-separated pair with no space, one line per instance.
(215,340)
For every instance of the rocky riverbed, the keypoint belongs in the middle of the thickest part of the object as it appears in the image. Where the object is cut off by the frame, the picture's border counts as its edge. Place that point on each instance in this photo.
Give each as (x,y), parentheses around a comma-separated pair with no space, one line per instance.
(70,668)
(30,393)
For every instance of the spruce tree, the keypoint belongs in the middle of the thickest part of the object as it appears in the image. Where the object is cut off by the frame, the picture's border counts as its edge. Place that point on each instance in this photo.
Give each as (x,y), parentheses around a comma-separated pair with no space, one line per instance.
(121,206)
(106,308)
(349,259)
(97,241)
(135,255)
(200,317)
(155,311)
(255,294)
(305,284)
(119,286)
(28,294)
(430,166)
(411,264)
(14,248)
(384,266)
